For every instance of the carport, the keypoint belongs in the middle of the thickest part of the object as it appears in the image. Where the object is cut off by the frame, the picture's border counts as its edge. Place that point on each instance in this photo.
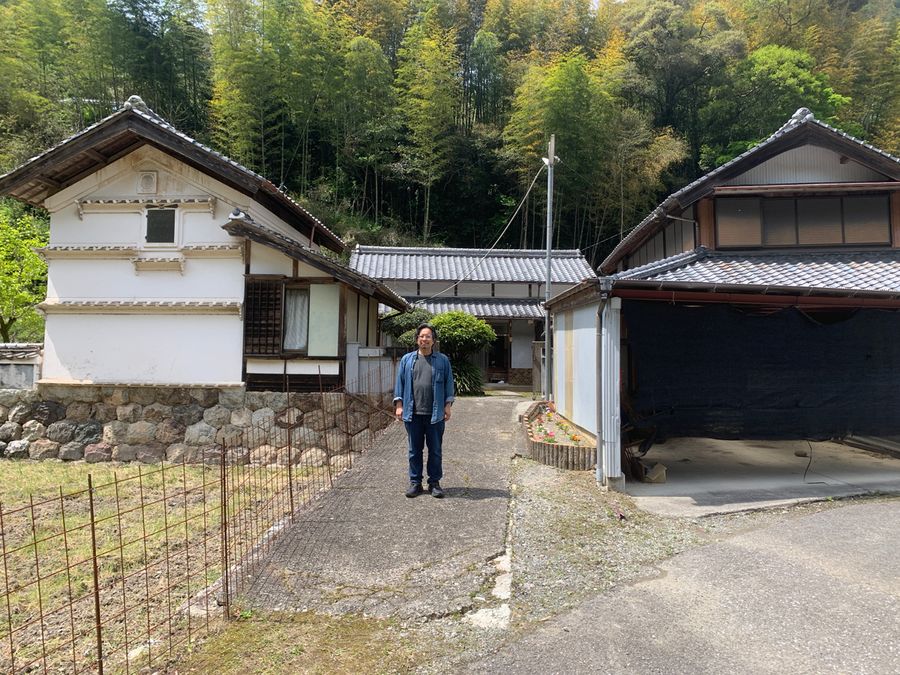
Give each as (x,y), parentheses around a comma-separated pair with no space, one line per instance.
(696,346)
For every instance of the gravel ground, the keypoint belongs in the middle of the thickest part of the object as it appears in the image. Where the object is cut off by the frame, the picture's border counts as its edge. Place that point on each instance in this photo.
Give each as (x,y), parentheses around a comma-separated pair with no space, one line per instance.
(569,542)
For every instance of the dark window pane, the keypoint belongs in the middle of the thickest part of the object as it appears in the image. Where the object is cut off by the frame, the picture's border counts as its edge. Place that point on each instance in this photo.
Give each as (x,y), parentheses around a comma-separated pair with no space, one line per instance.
(161,226)
(866,220)
(819,220)
(738,222)
(262,316)
(779,226)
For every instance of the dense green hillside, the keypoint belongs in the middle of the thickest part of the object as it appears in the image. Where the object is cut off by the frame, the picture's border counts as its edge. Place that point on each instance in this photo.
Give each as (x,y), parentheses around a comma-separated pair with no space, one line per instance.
(426,120)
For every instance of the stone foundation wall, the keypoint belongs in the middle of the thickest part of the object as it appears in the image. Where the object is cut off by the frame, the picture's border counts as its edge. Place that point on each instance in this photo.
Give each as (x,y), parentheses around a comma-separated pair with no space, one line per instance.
(150,424)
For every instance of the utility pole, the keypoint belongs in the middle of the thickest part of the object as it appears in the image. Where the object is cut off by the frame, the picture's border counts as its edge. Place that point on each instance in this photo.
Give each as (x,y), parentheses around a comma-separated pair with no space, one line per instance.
(549,160)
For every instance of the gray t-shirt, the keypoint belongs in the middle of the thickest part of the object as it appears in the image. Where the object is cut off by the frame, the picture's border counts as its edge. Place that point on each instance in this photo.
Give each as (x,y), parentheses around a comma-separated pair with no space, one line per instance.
(423,393)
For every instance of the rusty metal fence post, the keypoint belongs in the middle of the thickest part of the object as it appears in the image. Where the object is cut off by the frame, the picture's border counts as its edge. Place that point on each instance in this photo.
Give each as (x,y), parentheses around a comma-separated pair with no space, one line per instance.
(97,617)
(226,599)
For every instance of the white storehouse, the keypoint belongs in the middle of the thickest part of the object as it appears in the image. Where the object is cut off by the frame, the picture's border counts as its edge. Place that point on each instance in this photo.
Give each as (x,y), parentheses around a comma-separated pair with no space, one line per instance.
(170,264)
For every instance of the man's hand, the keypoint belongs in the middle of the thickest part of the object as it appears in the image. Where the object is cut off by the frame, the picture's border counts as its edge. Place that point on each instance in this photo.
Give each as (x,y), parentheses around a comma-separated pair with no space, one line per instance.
(398,411)
(446,412)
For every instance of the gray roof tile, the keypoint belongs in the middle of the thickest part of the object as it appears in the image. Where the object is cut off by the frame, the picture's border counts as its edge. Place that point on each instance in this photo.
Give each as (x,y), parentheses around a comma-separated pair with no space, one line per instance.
(844,271)
(483,308)
(470,264)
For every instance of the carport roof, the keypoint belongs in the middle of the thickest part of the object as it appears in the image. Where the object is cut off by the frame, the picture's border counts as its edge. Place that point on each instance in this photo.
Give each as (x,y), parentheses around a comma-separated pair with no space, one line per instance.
(841,273)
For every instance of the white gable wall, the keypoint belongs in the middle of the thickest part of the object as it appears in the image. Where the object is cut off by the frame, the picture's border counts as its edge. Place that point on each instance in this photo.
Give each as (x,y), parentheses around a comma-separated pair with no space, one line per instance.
(806,164)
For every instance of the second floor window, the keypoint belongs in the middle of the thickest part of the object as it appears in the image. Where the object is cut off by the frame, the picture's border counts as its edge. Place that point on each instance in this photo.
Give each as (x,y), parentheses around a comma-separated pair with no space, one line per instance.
(160,226)
(803,221)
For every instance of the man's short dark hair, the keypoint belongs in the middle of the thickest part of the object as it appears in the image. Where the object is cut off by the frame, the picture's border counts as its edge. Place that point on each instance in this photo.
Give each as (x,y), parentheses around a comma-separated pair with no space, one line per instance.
(429,327)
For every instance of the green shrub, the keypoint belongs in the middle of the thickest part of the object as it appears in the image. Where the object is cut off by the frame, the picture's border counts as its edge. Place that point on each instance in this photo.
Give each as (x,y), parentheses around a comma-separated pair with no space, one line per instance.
(467,378)
(461,334)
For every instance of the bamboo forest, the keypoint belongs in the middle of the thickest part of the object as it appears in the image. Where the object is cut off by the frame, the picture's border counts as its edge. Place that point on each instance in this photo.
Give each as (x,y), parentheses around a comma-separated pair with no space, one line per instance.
(423,122)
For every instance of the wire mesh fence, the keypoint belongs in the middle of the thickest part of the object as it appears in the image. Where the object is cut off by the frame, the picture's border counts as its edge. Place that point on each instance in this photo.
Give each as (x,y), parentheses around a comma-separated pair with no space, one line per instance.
(121,575)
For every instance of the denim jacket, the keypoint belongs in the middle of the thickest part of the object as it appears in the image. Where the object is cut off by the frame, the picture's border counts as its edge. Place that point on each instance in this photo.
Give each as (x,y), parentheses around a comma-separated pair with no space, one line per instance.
(441,384)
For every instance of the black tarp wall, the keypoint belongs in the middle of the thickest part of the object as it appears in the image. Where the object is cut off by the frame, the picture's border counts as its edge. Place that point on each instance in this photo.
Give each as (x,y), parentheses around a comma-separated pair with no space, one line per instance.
(723,372)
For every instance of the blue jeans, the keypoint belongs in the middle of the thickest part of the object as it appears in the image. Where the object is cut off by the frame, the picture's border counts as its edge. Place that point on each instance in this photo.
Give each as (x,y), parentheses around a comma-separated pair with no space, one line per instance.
(420,432)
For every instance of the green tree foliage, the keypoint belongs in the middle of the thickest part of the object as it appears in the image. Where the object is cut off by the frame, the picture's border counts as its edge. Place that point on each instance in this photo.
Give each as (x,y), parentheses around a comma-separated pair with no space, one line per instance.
(763,91)
(402,327)
(428,118)
(23,281)
(428,94)
(461,336)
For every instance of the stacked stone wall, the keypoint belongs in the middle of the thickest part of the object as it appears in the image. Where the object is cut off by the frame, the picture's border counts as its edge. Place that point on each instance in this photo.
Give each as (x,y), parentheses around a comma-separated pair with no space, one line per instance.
(151,424)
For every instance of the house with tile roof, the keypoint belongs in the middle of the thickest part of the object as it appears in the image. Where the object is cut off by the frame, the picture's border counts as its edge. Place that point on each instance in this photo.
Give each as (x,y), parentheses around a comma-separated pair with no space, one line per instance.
(759,301)
(171,265)
(504,287)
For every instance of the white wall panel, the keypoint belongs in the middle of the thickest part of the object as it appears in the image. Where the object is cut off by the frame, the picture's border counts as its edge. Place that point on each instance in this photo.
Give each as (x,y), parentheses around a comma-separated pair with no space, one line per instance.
(324,313)
(807,164)
(143,349)
(111,279)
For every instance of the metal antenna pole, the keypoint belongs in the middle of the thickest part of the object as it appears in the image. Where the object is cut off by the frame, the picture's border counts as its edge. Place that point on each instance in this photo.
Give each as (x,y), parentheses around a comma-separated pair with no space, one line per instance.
(550,160)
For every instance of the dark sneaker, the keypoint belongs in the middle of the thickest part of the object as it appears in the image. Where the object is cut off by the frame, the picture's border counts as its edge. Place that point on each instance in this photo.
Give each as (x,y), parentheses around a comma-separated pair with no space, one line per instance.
(436,490)
(414,490)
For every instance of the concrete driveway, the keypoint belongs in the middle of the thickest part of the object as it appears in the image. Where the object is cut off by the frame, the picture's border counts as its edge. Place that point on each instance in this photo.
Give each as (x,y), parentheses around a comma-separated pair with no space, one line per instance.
(817,594)
(705,476)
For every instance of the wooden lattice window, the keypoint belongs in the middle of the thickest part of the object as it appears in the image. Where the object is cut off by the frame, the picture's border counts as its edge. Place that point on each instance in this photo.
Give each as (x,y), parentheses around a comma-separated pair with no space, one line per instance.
(263,316)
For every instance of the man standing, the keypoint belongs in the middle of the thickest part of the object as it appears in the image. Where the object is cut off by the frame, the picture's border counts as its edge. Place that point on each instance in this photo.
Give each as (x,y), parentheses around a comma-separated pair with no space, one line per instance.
(423,396)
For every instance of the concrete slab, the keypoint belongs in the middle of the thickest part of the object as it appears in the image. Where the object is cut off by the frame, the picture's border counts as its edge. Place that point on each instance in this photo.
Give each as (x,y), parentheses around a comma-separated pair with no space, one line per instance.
(706,476)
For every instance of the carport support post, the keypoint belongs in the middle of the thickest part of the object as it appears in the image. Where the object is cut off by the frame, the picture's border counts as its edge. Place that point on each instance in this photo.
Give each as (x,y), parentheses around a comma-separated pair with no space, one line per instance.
(609,448)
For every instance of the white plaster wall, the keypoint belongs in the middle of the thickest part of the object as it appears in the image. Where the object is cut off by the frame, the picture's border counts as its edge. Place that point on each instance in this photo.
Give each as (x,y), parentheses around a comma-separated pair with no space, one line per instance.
(297,367)
(510,290)
(428,288)
(522,337)
(324,318)
(174,179)
(116,279)
(578,402)
(266,260)
(143,349)
(586,368)
(469,289)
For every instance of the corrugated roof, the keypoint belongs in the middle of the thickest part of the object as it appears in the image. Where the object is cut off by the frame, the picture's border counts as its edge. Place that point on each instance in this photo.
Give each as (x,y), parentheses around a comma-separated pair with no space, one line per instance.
(846,272)
(470,264)
(801,119)
(483,308)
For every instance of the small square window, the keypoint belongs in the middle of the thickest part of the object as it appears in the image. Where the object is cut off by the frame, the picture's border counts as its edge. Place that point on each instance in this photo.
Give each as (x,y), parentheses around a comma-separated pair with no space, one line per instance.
(161,226)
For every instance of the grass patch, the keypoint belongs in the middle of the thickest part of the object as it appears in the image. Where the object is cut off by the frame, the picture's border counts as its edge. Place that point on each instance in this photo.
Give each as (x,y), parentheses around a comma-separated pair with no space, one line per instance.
(303,643)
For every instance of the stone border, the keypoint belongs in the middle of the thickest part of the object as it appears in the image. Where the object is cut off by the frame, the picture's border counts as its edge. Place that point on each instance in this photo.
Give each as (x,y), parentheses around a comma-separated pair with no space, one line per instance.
(152,424)
(560,455)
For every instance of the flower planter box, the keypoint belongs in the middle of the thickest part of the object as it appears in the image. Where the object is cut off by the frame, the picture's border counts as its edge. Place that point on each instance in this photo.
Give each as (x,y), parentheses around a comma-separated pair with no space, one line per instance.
(562,453)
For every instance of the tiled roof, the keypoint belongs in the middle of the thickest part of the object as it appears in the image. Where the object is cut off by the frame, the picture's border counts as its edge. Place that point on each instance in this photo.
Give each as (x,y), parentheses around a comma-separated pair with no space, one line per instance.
(486,308)
(15,351)
(800,119)
(136,106)
(242,225)
(470,264)
(844,272)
